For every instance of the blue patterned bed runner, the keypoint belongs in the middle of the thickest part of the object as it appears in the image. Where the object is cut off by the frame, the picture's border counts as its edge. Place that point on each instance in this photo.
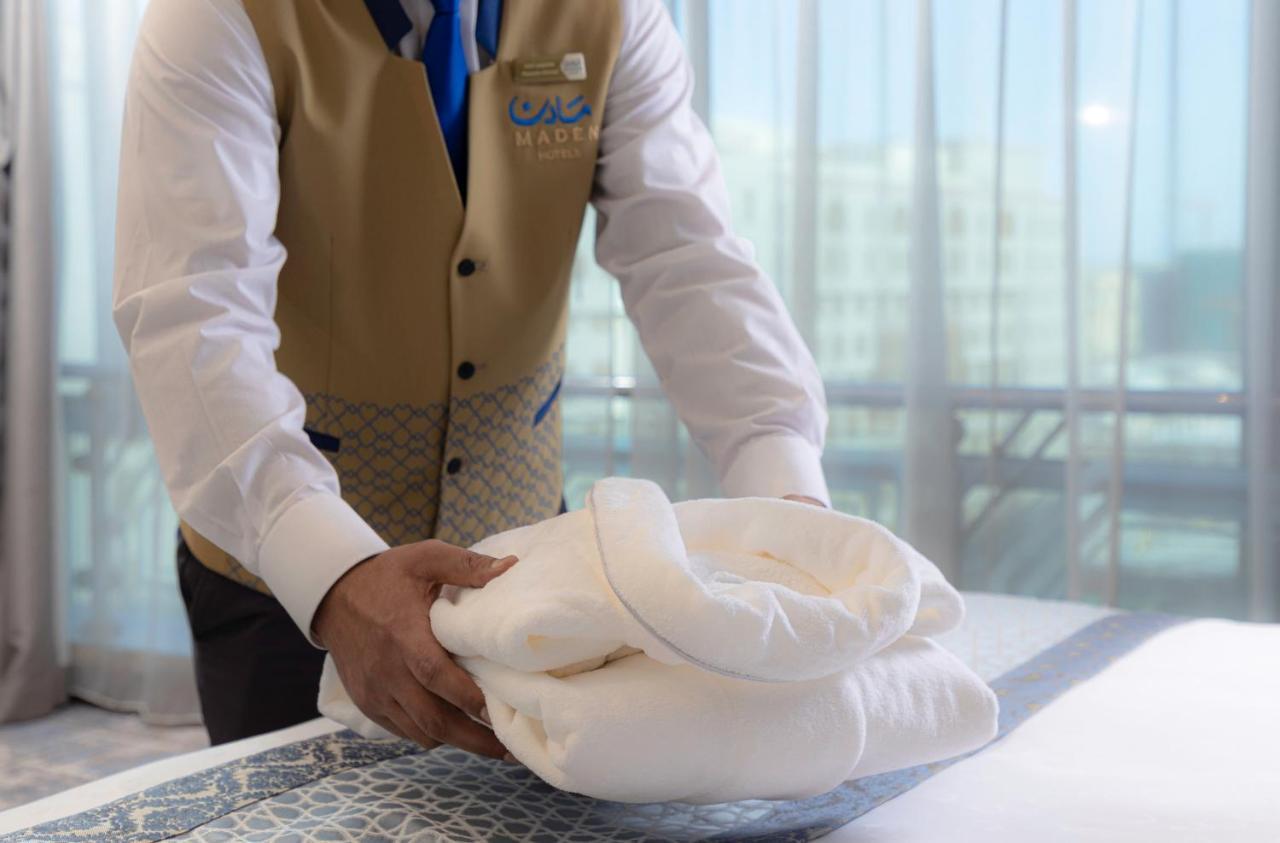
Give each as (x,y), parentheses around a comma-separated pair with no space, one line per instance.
(340,787)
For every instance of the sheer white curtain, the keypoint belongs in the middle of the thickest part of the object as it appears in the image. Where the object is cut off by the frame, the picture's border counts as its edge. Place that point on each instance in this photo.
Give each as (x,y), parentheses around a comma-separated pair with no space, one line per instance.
(1030,242)
(128,644)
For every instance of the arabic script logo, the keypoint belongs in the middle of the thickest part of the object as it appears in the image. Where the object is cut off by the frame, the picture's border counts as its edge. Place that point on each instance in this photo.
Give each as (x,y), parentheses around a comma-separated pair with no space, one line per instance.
(552,111)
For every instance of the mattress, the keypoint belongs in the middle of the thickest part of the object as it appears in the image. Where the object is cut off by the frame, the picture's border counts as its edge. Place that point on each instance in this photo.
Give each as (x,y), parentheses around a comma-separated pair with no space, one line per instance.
(1067,675)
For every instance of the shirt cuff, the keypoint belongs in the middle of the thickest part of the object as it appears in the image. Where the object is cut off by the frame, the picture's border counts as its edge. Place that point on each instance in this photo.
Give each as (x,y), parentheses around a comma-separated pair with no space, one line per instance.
(775,466)
(310,546)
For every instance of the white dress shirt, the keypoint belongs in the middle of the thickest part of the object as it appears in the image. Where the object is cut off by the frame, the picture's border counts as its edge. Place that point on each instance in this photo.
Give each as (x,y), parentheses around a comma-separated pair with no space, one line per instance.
(197,261)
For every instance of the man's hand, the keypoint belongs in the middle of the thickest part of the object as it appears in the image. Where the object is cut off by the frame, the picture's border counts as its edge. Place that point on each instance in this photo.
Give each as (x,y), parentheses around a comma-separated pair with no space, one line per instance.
(375,623)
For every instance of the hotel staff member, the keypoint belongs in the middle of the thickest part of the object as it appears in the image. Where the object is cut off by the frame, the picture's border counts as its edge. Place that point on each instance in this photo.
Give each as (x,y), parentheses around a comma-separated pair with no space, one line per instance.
(344,240)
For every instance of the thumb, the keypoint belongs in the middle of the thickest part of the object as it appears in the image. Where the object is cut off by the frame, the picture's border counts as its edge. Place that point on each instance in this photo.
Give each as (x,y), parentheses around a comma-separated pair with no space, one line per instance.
(445,563)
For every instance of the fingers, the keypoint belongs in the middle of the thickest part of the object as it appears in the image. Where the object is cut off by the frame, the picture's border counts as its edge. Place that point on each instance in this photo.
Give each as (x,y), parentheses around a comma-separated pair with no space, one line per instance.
(440,721)
(445,563)
(415,689)
(391,727)
(437,672)
(405,726)
(385,721)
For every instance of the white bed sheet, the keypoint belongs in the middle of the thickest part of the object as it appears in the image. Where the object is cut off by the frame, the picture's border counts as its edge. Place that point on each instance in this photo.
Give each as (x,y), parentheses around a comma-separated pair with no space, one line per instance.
(1177,741)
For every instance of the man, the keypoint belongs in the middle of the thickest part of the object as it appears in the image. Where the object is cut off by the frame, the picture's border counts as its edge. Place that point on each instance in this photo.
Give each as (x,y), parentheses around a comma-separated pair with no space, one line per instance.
(344,239)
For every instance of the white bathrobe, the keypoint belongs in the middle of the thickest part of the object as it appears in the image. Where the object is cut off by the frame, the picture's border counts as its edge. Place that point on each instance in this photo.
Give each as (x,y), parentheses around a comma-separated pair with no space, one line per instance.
(708,651)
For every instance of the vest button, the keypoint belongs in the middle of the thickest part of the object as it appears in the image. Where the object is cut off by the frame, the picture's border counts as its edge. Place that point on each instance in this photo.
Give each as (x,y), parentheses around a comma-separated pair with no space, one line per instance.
(466,369)
(466,267)
(454,466)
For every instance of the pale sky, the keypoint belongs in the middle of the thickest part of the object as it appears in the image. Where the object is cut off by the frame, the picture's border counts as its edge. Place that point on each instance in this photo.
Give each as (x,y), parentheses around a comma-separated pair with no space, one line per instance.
(753,78)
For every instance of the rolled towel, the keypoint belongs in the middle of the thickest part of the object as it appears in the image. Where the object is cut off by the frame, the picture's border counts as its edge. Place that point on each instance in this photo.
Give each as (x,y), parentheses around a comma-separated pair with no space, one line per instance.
(709,651)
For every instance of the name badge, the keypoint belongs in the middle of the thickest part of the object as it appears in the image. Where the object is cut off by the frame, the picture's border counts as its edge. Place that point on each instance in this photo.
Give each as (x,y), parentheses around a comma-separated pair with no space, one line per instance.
(571,67)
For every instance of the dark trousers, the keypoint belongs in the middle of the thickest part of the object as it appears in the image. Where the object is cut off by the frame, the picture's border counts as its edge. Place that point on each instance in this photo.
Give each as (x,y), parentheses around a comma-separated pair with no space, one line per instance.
(255,671)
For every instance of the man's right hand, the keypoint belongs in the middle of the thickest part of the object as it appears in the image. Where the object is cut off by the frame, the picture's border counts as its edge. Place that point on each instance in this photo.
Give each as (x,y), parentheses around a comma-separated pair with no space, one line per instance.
(375,623)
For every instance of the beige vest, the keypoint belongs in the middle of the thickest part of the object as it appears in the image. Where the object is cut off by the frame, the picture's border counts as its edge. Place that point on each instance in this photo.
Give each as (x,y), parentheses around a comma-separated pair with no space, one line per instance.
(427,337)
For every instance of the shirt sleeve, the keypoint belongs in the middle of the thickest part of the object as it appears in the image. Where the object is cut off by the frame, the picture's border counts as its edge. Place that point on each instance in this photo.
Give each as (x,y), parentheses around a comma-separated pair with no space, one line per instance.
(713,325)
(195,293)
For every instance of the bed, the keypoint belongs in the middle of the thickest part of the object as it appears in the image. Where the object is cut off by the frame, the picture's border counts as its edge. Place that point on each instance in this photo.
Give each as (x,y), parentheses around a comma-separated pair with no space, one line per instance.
(1114,726)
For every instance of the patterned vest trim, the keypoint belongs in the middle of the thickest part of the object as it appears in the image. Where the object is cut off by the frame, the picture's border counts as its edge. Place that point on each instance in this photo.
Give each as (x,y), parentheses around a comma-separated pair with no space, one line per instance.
(427,338)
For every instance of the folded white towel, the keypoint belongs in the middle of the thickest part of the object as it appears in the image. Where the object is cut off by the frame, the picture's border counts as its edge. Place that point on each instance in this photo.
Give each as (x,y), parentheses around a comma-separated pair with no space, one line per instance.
(709,651)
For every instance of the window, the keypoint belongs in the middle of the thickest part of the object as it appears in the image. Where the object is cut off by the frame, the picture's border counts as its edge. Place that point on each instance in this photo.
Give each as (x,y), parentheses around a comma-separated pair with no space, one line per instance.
(835,217)
(1187,278)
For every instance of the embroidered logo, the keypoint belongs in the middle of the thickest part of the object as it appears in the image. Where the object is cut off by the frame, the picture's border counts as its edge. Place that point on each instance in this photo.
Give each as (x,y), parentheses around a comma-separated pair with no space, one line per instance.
(552,111)
(553,129)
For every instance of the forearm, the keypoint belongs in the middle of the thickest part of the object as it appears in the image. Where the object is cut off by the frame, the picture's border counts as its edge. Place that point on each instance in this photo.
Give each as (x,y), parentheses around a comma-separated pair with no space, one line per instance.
(713,325)
(195,288)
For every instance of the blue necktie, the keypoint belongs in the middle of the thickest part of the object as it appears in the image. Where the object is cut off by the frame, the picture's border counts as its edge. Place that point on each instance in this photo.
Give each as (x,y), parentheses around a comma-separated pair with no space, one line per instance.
(447,77)
(488,19)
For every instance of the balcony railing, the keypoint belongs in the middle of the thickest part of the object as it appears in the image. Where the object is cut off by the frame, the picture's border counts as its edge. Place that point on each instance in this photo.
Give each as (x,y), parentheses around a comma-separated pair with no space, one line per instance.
(96,409)
(843,393)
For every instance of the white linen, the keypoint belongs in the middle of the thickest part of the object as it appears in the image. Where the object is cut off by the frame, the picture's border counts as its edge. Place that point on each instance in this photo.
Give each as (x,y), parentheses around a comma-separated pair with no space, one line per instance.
(1177,742)
(717,650)
(1201,769)
(195,288)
